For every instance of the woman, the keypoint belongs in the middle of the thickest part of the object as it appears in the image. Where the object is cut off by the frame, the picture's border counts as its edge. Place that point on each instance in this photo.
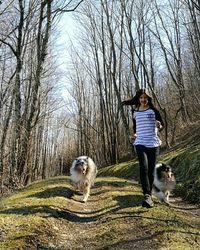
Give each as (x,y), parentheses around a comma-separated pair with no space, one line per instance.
(146,122)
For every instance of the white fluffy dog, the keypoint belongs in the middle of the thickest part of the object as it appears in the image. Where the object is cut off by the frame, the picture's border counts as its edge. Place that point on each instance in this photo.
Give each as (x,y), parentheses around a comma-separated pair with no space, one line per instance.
(164,181)
(83,173)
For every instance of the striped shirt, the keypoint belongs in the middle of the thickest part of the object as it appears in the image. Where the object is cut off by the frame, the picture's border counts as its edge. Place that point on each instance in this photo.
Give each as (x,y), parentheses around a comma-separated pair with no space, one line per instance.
(145,127)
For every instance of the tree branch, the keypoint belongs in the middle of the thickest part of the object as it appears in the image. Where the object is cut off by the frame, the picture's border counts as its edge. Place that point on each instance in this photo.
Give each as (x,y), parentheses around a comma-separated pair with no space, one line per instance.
(62,10)
(9,45)
(197,6)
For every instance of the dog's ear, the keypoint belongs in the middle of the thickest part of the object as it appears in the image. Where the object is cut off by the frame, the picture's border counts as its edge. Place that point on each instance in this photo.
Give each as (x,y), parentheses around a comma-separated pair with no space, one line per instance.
(164,166)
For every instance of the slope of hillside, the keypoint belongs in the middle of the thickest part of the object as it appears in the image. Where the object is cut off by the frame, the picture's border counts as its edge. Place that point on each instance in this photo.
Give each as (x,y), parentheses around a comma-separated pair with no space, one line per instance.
(49,215)
(185,160)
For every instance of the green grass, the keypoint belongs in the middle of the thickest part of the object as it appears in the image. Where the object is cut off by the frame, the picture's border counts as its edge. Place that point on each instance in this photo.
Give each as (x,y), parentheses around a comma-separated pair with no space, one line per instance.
(185,161)
(23,213)
(124,170)
(48,215)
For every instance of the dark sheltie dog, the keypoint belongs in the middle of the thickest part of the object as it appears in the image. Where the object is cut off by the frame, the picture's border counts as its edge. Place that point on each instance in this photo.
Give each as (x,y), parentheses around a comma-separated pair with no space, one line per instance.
(164,181)
(83,173)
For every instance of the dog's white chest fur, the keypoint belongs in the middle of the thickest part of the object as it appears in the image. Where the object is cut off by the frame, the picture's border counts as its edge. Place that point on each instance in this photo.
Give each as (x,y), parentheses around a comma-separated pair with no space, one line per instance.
(164,185)
(83,173)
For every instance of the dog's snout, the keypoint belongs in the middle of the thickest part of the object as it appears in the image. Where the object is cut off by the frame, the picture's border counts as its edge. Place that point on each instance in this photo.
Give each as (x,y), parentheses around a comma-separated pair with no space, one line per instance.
(169,174)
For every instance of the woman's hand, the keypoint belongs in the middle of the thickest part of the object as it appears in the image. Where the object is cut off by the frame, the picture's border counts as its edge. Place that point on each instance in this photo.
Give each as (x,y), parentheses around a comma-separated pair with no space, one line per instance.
(159,125)
(132,138)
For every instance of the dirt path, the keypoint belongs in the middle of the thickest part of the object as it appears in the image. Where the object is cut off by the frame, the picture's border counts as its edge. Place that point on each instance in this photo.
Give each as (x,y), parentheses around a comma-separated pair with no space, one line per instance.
(179,204)
(114,219)
(50,216)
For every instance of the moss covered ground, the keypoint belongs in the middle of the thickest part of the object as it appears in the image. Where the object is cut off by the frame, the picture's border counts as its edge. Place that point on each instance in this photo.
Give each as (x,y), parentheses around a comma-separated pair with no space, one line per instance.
(50,215)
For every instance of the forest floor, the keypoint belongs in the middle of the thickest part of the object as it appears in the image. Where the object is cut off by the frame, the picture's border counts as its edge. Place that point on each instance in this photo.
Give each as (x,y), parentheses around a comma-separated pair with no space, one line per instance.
(50,215)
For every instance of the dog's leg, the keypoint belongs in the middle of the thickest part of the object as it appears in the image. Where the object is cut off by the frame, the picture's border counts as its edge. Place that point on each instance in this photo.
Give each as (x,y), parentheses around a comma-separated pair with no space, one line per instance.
(86,192)
(160,195)
(75,186)
(166,200)
(85,197)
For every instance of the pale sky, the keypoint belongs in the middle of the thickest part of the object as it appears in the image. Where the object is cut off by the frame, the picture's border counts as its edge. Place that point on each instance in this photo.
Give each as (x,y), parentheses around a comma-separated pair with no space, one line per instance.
(66,28)
(67,31)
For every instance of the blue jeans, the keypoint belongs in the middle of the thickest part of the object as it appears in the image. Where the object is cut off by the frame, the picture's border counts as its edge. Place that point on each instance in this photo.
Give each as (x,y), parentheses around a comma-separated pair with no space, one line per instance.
(147,161)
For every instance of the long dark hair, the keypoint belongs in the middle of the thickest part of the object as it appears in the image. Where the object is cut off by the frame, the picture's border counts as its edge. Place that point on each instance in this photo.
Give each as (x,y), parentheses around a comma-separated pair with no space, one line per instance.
(136,99)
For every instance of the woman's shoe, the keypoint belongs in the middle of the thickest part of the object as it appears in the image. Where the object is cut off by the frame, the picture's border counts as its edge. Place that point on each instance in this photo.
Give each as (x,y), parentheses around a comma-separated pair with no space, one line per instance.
(147,202)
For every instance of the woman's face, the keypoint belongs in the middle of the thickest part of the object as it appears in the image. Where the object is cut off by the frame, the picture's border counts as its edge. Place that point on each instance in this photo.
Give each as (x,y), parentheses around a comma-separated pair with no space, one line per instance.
(143,100)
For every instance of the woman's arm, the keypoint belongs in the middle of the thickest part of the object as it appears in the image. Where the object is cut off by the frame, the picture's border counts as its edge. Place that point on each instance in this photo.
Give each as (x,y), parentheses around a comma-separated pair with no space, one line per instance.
(129,101)
(159,121)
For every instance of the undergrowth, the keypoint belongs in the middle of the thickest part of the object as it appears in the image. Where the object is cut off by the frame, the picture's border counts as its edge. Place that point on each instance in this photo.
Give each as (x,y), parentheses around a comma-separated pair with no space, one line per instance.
(185,161)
